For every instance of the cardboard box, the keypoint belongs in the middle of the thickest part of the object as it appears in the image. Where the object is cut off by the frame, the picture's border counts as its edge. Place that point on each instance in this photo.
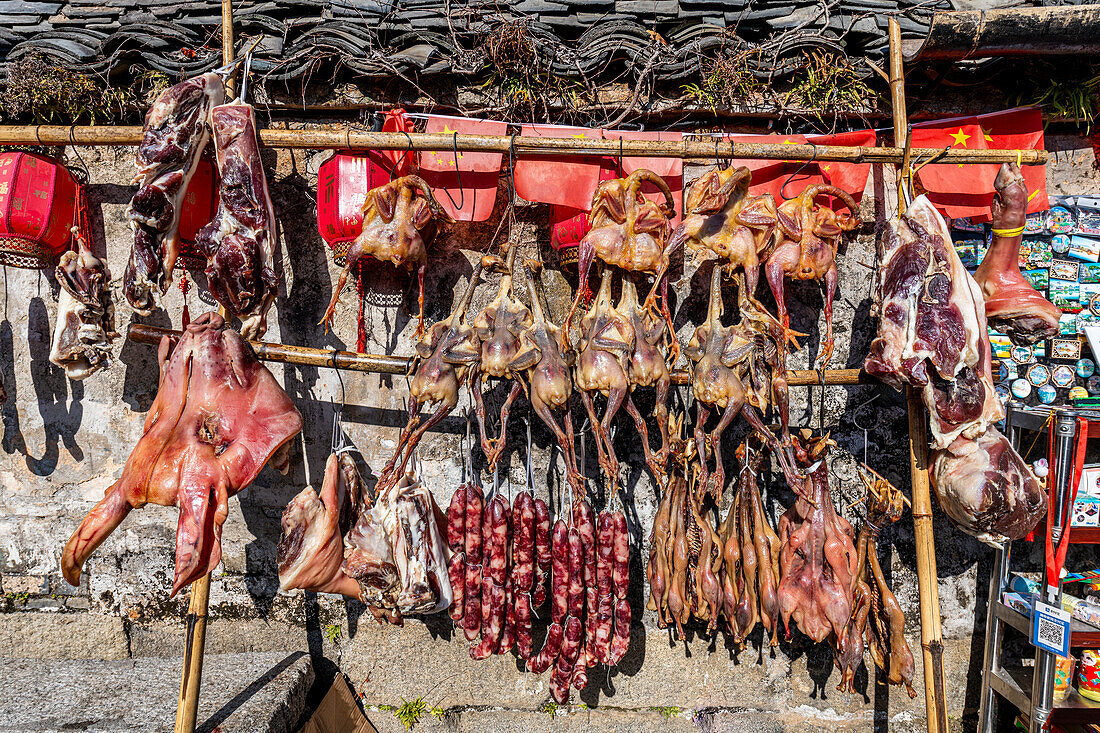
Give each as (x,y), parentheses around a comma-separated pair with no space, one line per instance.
(338,712)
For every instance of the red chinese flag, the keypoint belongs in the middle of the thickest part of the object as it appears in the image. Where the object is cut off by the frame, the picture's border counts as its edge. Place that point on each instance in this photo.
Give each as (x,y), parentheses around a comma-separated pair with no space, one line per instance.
(966,189)
(563,181)
(848,177)
(783,179)
(465,184)
(670,169)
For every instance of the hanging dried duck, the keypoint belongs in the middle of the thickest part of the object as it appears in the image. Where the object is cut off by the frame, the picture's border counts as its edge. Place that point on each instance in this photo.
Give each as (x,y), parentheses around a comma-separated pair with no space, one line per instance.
(444,358)
(630,232)
(399,224)
(740,369)
(818,563)
(724,220)
(547,359)
(884,622)
(750,554)
(807,250)
(499,327)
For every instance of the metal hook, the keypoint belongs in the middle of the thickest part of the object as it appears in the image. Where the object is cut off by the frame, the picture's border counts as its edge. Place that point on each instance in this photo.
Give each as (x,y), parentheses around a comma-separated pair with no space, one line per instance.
(244,75)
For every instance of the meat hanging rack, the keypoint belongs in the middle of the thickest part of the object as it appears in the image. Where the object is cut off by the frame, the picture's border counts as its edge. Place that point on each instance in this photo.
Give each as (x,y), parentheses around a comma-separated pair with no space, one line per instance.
(705,149)
(381,364)
(695,149)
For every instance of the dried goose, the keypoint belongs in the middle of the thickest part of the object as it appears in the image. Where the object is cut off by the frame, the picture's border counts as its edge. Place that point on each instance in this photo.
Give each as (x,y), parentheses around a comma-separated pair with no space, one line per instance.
(647,367)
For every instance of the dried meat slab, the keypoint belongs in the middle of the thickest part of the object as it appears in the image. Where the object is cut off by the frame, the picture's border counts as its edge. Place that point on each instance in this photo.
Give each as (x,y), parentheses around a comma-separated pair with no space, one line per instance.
(218,417)
(932,329)
(239,243)
(172,141)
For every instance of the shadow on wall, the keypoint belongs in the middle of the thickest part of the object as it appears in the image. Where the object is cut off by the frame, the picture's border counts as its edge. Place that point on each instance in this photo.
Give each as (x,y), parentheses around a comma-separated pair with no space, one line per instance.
(60,421)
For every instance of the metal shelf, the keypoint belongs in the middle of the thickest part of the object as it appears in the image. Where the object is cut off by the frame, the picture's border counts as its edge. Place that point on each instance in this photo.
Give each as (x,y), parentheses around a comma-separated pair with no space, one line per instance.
(1081,635)
(1014,685)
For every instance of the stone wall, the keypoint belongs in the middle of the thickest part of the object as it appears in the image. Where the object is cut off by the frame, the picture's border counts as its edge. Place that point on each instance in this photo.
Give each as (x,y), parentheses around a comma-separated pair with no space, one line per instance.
(65,442)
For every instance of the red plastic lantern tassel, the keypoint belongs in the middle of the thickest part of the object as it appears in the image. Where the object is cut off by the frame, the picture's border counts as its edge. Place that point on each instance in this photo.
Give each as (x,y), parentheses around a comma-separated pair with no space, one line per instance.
(361,330)
(38,208)
(185,287)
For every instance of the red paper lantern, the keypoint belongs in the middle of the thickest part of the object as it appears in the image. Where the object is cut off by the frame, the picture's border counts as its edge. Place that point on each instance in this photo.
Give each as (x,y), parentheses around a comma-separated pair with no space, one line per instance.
(342,185)
(199,203)
(38,208)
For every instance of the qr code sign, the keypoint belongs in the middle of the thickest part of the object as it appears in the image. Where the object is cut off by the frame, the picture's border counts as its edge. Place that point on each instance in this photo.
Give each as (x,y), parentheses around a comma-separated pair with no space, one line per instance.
(1050,633)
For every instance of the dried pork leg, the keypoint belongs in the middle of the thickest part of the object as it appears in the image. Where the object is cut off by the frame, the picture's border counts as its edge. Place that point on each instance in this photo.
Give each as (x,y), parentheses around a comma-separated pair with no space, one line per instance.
(1012,305)
(986,488)
(173,138)
(218,417)
(85,324)
(932,328)
(239,244)
(931,312)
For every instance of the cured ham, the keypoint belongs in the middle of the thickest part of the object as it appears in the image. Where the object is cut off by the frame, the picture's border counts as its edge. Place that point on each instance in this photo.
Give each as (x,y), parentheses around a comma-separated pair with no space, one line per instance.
(173,138)
(932,335)
(1012,305)
(986,488)
(387,552)
(218,417)
(85,324)
(239,244)
(932,331)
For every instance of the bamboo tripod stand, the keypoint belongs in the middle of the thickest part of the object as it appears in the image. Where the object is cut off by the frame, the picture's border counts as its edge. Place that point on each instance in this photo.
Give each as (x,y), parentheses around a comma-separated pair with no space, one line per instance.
(931,640)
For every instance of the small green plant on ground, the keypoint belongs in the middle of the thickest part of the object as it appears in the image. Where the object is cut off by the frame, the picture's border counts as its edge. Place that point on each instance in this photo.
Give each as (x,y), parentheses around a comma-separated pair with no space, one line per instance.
(333,632)
(667,712)
(550,708)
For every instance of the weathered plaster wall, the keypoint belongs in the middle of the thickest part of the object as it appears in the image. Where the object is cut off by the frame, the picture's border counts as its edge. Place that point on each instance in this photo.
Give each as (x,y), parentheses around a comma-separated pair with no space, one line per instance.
(65,442)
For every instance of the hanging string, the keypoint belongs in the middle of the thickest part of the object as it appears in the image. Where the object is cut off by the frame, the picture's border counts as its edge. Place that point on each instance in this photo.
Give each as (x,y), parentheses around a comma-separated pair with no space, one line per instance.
(783,188)
(458,173)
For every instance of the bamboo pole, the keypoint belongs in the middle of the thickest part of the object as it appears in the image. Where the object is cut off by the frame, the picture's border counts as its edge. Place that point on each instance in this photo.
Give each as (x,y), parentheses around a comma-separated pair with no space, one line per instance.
(191,681)
(927,576)
(227,46)
(348,139)
(380,364)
